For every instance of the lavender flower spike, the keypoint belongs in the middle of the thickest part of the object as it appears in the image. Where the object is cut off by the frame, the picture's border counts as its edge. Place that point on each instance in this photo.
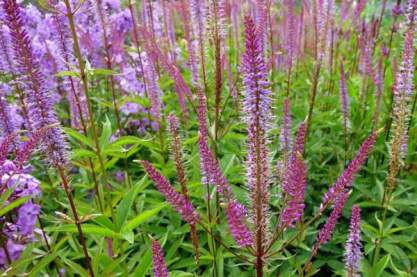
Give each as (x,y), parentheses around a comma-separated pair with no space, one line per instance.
(40,103)
(344,97)
(178,201)
(295,182)
(403,89)
(212,174)
(257,108)
(7,124)
(353,244)
(346,179)
(159,267)
(235,212)
(5,145)
(26,150)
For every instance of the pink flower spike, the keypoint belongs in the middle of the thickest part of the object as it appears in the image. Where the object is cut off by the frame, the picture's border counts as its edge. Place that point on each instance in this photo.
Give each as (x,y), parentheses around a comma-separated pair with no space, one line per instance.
(177,200)
(346,179)
(159,267)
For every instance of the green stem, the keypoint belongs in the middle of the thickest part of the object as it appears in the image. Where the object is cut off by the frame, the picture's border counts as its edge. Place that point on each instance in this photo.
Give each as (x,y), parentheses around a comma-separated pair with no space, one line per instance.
(76,218)
(77,53)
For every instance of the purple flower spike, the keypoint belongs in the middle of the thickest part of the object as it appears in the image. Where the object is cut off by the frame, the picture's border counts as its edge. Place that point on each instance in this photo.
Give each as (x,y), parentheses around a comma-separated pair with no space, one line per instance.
(345,180)
(328,228)
(403,88)
(257,109)
(159,267)
(212,174)
(257,88)
(155,55)
(28,147)
(38,97)
(188,33)
(353,244)
(295,183)
(344,97)
(5,145)
(7,124)
(154,90)
(178,201)
(235,213)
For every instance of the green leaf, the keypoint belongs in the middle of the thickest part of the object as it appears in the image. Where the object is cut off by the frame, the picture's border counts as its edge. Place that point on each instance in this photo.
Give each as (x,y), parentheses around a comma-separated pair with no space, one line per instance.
(91,229)
(101,72)
(126,204)
(106,134)
(77,154)
(7,193)
(41,264)
(76,267)
(139,219)
(79,137)
(125,140)
(144,264)
(16,203)
(381,265)
(66,73)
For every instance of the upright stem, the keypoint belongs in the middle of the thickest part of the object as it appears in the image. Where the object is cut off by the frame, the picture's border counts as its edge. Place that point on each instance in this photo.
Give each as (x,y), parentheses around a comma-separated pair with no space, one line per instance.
(109,63)
(218,72)
(80,111)
(271,42)
(44,234)
(76,218)
(260,251)
(389,120)
(381,16)
(259,216)
(313,96)
(77,53)
(203,60)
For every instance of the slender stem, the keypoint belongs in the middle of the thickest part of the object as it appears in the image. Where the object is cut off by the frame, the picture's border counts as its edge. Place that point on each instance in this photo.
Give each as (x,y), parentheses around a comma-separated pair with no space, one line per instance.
(80,110)
(44,234)
(76,218)
(219,240)
(77,53)
(390,109)
(313,96)
(203,61)
(218,72)
(109,63)
(260,250)
(381,16)
(299,232)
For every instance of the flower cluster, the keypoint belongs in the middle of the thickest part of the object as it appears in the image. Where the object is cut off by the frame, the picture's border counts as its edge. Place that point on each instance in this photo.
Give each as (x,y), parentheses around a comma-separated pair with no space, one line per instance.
(345,180)
(18,227)
(159,267)
(257,109)
(344,98)
(353,244)
(294,183)
(38,97)
(178,201)
(327,230)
